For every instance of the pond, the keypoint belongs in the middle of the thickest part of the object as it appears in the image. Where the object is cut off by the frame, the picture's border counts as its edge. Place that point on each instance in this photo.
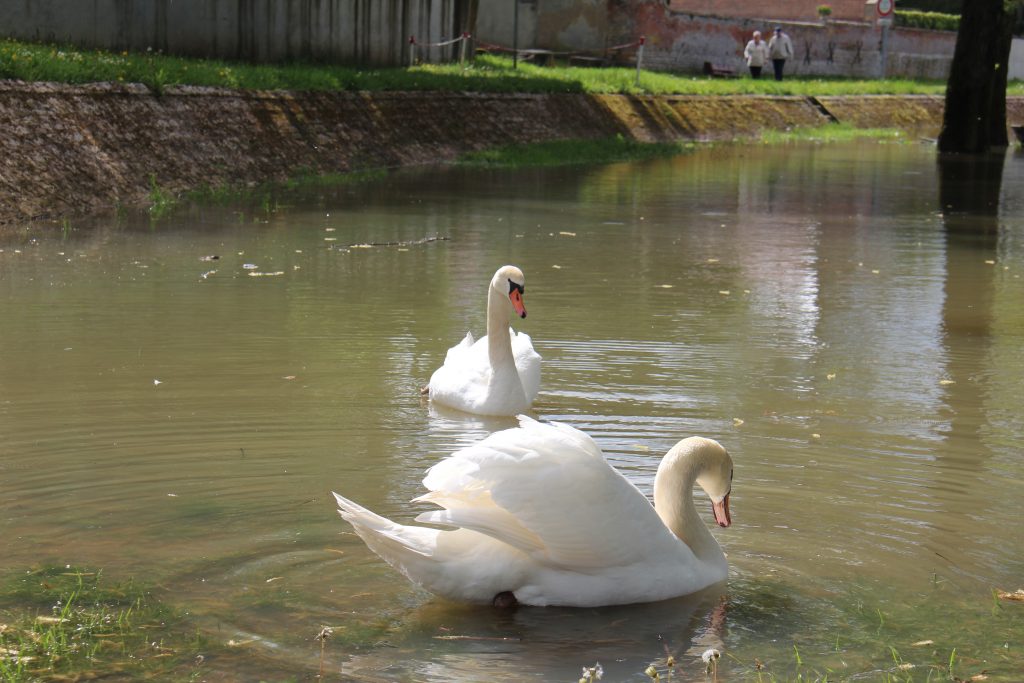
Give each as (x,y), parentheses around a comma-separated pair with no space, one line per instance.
(179,397)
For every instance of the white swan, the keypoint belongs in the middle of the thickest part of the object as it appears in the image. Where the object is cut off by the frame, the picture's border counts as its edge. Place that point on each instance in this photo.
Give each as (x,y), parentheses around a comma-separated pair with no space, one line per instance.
(543,519)
(500,373)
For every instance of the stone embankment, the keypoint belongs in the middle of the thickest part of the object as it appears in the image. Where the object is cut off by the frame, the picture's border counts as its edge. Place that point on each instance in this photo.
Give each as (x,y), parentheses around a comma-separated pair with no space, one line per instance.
(71,150)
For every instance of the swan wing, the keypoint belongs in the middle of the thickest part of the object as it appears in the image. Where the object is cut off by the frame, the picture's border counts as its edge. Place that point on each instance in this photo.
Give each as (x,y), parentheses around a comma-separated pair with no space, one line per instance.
(528,363)
(462,381)
(547,490)
(460,351)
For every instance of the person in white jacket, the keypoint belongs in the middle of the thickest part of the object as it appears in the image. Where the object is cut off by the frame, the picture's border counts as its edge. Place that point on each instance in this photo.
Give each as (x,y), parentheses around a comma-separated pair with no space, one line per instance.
(756,54)
(780,48)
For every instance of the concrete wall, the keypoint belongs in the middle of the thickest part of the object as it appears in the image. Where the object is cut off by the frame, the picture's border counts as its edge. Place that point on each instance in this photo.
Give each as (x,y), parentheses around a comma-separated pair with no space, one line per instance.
(346,31)
(496,19)
(683,41)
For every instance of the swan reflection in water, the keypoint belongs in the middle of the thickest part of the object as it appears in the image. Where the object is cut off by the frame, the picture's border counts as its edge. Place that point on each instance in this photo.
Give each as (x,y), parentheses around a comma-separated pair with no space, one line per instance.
(473,643)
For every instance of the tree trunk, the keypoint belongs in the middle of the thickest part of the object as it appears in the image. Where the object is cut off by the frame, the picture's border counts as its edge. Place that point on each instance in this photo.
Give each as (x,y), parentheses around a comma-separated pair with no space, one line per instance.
(975,116)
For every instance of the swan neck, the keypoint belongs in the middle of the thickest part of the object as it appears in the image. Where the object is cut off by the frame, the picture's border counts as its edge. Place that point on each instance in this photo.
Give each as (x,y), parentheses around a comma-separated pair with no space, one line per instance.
(499,341)
(673,501)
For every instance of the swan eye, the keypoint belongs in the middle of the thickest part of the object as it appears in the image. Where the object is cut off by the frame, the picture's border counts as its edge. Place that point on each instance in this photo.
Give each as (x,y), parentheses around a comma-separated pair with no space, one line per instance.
(513,287)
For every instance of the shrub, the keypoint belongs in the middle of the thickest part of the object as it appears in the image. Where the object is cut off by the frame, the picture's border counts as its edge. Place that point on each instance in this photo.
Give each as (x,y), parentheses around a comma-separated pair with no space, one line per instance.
(935,21)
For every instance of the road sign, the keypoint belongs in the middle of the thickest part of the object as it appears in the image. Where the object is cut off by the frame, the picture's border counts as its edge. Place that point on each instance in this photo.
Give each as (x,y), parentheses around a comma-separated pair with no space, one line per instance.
(885,7)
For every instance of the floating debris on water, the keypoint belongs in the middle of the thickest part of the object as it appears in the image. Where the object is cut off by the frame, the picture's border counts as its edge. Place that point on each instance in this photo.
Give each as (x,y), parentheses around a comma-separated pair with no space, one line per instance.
(399,243)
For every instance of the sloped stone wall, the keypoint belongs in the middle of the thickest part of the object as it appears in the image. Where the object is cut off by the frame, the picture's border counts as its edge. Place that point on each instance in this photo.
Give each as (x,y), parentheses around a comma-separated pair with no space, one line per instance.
(70,150)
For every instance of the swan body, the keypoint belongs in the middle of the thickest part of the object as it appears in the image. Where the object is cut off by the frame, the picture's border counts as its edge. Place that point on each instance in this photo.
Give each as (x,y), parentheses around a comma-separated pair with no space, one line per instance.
(539,514)
(499,374)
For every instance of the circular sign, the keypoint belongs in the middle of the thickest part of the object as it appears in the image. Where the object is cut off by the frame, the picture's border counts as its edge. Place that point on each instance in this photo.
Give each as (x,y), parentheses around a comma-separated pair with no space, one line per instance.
(885,7)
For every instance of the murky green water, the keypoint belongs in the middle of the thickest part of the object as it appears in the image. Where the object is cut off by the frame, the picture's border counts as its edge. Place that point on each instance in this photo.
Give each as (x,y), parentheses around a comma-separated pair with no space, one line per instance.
(183,420)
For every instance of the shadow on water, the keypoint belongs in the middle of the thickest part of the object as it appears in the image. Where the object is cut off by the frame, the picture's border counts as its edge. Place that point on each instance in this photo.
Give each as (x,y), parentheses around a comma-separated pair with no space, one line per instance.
(970,188)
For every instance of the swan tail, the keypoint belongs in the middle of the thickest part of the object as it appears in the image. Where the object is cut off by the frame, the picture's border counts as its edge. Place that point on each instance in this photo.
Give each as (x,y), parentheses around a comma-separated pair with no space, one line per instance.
(414,551)
(393,542)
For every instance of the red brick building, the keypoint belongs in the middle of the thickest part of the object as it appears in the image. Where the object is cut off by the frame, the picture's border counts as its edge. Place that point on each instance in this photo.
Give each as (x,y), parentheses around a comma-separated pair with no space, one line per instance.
(793,10)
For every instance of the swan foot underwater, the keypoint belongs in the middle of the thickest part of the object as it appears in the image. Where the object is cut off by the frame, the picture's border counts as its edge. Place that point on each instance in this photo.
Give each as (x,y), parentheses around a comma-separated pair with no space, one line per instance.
(498,374)
(538,516)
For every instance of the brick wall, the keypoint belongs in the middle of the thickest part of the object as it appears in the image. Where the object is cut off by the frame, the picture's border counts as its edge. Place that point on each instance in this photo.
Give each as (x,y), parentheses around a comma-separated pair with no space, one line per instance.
(682,43)
(805,10)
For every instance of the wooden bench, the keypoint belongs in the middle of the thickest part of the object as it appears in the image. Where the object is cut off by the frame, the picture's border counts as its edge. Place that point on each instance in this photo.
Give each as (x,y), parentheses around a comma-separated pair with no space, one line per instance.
(586,60)
(718,70)
(539,57)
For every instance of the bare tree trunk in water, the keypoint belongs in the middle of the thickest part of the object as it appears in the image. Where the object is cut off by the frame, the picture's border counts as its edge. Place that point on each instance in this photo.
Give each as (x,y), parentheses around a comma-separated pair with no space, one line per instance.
(975,116)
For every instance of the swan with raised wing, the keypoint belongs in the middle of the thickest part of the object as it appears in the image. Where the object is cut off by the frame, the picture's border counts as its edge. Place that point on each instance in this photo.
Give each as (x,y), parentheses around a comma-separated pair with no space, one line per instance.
(541,518)
(499,374)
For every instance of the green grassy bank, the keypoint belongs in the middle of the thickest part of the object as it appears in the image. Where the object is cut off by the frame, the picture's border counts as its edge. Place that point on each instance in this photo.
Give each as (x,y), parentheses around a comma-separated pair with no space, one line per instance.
(62,64)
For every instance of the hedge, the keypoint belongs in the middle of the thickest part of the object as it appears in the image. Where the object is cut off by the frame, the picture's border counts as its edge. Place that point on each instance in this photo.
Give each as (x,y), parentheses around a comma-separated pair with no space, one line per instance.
(936,21)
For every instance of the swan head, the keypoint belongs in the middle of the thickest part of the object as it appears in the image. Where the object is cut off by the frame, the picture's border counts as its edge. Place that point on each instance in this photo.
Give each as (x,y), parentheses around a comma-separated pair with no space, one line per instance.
(701,461)
(509,282)
(715,477)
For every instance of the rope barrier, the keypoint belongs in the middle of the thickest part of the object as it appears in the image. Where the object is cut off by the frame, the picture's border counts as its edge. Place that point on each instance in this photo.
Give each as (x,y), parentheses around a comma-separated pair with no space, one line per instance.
(493,47)
(413,44)
(443,43)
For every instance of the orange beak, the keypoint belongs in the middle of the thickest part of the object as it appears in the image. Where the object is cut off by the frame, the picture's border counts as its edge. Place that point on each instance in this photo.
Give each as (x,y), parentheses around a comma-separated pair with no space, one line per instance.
(517,302)
(721,511)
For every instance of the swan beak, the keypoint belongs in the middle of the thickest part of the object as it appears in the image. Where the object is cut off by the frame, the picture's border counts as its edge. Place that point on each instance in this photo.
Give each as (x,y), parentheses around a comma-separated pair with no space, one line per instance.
(721,511)
(516,297)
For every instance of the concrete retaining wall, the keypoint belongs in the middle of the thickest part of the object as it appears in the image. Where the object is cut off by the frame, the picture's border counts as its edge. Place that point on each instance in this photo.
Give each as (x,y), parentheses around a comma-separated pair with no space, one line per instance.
(346,31)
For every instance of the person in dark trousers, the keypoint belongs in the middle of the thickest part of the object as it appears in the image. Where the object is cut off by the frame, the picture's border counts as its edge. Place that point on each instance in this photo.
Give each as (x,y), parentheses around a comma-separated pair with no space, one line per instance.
(780,48)
(756,54)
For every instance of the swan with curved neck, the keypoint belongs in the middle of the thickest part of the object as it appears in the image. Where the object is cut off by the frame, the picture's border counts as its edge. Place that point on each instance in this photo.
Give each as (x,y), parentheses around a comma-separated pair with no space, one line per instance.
(539,517)
(500,373)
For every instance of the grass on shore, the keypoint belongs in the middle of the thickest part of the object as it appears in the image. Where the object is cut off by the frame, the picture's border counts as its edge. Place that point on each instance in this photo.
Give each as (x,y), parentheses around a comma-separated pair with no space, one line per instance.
(61,623)
(488,73)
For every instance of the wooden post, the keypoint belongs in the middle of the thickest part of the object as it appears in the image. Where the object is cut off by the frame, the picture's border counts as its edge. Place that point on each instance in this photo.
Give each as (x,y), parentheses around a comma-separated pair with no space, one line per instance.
(412,50)
(639,59)
(462,49)
(515,34)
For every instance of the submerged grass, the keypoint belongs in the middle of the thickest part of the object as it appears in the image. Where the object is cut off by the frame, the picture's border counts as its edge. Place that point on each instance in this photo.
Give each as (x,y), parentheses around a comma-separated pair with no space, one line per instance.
(833,132)
(611,150)
(570,152)
(62,622)
(487,73)
(859,633)
(261,200)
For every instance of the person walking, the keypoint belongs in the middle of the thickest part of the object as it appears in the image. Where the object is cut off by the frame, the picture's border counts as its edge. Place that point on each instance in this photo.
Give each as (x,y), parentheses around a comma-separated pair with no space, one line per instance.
(780,48)
(756,54)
